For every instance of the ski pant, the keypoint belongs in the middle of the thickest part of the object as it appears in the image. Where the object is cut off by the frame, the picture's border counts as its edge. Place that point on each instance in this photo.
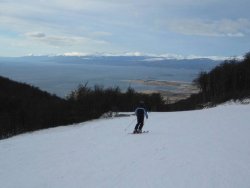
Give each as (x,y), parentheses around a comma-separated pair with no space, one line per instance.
(140,123)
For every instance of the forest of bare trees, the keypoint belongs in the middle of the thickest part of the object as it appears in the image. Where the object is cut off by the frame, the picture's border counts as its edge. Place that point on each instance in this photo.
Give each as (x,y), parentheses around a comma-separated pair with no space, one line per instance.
(26,108)
(227,81)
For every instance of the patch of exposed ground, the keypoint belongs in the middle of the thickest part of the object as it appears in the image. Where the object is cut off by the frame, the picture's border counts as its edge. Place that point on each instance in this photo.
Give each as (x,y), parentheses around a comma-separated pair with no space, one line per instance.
(179,90)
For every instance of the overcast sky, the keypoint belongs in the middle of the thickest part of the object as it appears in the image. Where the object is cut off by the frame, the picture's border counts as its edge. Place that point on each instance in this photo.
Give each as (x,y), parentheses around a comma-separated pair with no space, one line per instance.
(183,27)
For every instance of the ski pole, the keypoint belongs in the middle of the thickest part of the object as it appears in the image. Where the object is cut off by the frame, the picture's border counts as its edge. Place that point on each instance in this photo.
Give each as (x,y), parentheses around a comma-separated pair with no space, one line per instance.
(129,125)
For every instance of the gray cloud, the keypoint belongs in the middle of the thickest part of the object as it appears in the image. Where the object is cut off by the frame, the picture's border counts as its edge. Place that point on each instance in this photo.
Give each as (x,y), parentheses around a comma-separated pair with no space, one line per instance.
(62,40)
(35,34)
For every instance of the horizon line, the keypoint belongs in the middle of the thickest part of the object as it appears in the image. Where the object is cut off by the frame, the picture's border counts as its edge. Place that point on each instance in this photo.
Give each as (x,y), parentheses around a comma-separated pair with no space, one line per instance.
(151,56)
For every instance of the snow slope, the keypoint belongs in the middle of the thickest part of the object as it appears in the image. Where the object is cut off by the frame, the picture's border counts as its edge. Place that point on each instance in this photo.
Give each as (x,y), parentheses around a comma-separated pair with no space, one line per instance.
(195,149)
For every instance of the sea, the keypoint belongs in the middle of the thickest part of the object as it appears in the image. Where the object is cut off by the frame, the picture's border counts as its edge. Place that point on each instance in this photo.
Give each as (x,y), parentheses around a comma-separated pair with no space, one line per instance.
(60,75)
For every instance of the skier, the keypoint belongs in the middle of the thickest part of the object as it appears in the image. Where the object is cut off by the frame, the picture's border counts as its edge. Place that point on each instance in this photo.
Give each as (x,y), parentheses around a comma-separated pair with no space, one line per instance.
(140,112)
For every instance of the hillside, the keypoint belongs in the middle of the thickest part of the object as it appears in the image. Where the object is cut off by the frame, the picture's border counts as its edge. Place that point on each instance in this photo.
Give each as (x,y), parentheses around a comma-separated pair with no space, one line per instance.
(26,108)
(205,148)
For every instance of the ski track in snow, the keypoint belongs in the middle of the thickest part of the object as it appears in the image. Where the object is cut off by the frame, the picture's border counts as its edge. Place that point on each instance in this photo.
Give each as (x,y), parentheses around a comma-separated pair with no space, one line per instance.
(195,149)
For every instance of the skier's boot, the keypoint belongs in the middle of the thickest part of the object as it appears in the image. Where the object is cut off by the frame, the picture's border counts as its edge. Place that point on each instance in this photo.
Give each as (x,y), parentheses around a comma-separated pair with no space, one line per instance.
(135,131)
(139,131)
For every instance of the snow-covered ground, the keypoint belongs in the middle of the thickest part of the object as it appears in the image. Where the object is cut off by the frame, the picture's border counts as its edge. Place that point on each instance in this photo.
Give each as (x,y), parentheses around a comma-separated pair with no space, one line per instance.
(197,149)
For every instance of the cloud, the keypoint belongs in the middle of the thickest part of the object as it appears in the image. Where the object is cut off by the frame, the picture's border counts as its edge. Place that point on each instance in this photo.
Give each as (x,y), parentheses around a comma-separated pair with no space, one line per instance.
(219,28)
(124,25)
(35,34)
(133,54)
(181,57)
(76,54)
(62,40)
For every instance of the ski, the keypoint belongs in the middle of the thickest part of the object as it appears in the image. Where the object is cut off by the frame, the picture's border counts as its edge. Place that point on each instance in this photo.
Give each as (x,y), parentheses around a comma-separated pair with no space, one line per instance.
(141,132)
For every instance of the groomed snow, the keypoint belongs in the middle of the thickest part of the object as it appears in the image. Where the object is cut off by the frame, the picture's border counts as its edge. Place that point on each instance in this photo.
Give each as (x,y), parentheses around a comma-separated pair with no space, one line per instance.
(196,149)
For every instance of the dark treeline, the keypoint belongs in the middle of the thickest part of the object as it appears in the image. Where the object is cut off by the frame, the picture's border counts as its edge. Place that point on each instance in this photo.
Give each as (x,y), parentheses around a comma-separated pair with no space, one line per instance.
(25,108)
(93,102)
(229,80)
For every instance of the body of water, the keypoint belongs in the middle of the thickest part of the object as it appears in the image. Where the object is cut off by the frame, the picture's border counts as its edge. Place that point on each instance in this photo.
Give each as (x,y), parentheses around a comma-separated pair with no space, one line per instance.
(62,78)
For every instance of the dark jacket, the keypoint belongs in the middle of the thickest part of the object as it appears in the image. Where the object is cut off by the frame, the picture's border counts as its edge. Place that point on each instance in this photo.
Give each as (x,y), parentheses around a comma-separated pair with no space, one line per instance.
(141,112)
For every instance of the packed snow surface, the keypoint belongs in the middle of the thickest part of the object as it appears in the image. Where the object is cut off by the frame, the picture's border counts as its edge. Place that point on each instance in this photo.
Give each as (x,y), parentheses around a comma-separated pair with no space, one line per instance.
(196,149)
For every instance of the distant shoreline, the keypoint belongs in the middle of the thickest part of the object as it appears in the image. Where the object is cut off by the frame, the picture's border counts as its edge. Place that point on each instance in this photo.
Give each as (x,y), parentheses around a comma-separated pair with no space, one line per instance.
(180,90)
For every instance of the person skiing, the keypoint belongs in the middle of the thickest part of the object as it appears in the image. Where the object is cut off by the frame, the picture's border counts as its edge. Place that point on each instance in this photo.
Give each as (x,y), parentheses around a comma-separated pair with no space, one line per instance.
(140,112)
